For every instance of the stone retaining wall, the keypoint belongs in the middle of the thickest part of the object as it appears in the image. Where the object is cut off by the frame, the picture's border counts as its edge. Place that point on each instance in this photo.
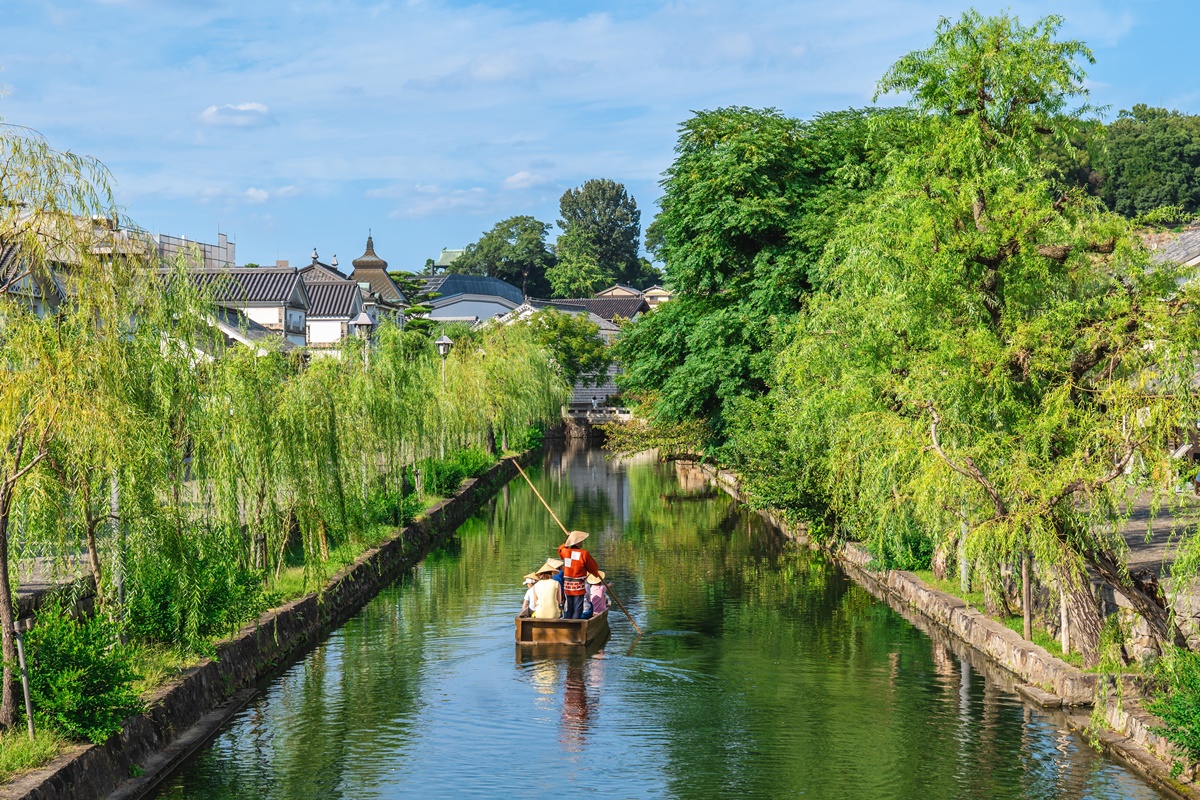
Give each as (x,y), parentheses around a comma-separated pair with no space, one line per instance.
(1045,679)
(87,772)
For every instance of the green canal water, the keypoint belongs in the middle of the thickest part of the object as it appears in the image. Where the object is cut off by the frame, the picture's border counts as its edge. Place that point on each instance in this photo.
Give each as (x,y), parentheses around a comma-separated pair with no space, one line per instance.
(764,673)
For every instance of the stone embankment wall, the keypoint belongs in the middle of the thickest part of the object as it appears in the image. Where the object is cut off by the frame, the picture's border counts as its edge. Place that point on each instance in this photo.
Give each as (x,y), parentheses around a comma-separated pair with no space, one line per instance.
(1041,678)
(186,711)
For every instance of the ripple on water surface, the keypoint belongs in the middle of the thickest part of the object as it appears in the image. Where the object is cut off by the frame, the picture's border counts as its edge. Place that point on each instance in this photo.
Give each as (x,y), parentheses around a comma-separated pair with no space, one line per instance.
(764,673)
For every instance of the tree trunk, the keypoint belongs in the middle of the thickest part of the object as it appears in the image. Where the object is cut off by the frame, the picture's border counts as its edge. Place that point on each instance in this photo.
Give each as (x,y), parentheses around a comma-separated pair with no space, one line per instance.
(8,700)
(491,441)
(1064,621)
(1082,607)
(964,569)
(941,560)
(1027,595)
(504,439)
(93,552)
(1146,597)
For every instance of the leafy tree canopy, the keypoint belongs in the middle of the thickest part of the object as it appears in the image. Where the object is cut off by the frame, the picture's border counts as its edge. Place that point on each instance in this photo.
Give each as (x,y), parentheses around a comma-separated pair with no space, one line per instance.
(984,344)
(579,271)
(749,202)
(514,250)
(1152,159)
(575,344)
(601,214)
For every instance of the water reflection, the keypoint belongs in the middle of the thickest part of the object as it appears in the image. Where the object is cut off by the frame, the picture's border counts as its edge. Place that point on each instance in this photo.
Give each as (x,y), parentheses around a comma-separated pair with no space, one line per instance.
(764,672)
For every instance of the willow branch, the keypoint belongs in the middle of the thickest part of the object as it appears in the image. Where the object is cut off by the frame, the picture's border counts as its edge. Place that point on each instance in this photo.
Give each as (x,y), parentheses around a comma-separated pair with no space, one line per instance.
(968,470)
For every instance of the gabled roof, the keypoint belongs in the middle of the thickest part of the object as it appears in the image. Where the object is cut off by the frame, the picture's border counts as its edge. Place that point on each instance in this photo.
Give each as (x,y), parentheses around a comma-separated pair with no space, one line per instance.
(334,300)
(611,307)
(448,257)
(317,272)
(619,290)
(453,284)
(254,285)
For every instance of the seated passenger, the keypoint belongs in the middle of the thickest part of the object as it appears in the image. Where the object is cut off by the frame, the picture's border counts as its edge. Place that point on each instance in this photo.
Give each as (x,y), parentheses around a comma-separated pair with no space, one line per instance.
(597,593)
(547,594)
(529,603)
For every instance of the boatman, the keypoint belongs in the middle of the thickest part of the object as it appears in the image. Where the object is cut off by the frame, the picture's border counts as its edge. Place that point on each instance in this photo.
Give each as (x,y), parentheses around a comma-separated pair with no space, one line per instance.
(577,564)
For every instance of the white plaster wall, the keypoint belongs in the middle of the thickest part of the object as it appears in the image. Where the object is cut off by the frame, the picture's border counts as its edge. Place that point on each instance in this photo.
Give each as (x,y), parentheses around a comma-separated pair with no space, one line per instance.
(324,331)
(270,317)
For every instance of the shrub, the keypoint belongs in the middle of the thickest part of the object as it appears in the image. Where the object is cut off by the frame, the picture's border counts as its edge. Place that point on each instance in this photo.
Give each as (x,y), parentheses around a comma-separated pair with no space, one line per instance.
(180,594)
(1177,700)
(442,476)
(528,439)
(80,675)
(393,508)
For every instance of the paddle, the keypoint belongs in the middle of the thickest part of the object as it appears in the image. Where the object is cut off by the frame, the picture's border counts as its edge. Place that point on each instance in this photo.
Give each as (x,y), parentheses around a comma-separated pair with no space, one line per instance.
(517,464)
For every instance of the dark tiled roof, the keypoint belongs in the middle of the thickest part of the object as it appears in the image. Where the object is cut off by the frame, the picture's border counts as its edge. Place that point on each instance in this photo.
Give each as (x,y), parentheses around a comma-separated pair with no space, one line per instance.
(317,272)
(611,307)
(328,299)
(249,284)
(380,282)
(1180,248)
(453,283)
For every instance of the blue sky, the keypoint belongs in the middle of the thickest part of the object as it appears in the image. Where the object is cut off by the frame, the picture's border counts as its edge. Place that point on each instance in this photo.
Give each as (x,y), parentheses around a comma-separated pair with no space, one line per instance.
(290,125)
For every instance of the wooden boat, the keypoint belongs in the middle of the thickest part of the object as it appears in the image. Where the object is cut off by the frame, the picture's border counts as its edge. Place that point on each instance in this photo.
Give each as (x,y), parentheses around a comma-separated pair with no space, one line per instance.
(579,632)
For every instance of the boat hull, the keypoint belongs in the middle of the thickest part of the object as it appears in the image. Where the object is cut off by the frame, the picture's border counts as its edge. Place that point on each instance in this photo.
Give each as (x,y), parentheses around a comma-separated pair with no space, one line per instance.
(577,632)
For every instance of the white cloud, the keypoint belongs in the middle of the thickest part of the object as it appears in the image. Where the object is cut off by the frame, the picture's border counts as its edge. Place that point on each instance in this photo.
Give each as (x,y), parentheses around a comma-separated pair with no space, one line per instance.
(524,179)
(240,115)
(287,191)
(254,195)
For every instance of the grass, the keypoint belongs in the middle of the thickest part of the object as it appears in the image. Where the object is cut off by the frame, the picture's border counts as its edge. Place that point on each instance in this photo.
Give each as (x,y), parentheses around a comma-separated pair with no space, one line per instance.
(1041,637)
(19,755)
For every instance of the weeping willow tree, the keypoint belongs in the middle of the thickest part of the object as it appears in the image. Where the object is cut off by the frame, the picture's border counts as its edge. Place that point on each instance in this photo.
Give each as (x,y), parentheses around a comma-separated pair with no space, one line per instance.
(77,305)
(989,349)
(180,469)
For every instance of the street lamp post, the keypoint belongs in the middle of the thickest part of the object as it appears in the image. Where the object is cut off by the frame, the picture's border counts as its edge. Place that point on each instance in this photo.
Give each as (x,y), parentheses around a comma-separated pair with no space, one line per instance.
(444,343)
(361,326)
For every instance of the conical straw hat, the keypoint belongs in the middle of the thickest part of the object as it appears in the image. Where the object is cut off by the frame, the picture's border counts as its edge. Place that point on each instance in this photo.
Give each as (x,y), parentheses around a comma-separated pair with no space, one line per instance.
(575,537)
(597,578)
(549,566)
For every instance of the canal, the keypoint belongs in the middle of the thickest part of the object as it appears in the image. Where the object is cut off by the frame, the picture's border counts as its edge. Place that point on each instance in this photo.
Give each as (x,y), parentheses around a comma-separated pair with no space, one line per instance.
(764,673)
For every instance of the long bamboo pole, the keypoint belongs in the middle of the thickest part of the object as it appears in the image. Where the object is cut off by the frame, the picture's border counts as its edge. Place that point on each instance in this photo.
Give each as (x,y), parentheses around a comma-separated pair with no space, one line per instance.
(517,464)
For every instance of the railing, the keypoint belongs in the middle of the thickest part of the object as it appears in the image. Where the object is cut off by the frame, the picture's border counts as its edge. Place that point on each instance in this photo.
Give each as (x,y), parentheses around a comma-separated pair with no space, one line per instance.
(596,416)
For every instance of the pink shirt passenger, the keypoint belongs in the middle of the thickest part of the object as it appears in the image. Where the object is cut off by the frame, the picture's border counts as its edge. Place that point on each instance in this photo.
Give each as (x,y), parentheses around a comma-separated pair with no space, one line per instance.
(598,594)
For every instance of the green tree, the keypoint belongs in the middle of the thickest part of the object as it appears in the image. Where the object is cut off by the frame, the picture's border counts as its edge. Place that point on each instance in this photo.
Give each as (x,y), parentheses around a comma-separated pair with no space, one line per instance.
(601,213)
(416,315)
(574,342)
(578,272)
(986,345)
(1151,159)
(749,203)
(514,250)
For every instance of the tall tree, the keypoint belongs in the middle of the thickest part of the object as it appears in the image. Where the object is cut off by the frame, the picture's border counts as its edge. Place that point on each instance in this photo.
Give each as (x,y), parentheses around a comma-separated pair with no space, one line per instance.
(514,250)
(986,345)
(579,271)
(602,214)
(749,203)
